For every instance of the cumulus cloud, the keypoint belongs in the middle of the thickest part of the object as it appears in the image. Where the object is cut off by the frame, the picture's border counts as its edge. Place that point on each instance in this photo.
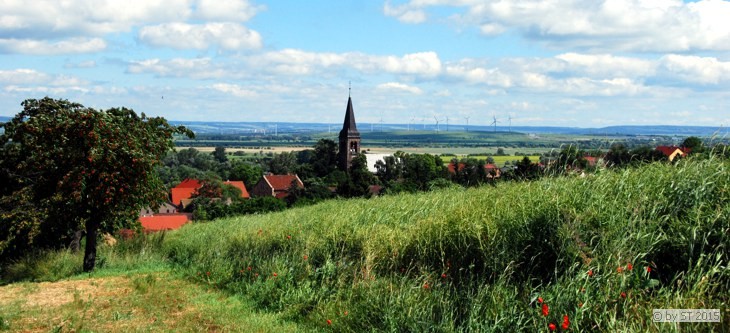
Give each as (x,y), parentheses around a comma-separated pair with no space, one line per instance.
(694,69)
(235,90)
(77,26)
(40,47)
(404,13)
(31,77)
(396,86)
(228,36)
(225,10)
(629,25)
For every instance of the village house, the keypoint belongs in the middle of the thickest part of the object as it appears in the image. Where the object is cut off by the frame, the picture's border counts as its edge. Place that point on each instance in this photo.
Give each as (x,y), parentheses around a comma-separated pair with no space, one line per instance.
(183,192)
(276,185)
(492,170)
(671,152)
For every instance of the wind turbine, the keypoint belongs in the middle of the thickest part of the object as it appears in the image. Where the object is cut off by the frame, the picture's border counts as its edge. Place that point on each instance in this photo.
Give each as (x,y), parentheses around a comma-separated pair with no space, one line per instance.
(494,123)
(510,123)
(447,123)
(437,123)
(467,123)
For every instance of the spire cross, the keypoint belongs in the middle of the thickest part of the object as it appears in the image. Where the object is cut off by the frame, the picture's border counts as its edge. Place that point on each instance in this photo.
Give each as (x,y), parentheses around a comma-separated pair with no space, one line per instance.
(349,89)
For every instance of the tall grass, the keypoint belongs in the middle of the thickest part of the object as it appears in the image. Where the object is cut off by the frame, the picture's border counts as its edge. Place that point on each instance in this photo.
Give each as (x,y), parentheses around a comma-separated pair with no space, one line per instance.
(478,259)
(139,254)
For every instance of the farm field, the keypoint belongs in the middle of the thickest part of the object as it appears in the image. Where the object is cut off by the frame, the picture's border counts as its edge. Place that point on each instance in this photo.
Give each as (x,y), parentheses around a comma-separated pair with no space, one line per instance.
(603,250)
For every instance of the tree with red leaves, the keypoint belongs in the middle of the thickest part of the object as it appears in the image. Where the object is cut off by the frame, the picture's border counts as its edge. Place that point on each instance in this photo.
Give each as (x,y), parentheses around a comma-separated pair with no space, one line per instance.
(77,168)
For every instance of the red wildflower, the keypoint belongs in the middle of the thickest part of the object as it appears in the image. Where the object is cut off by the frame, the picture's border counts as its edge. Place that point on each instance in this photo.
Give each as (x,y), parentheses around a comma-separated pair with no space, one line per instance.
(545,309)
(629,266)
(256,275)
(623,294)
(580,305)
(539,300)
(566,322)
(648,269)
(288,236)
(590,273)
(551,326)
(248,268)
(443,275)
(305,257)
(207,273)
(329,322)
(425,285)
(620,269)
(275,274)
(346,313)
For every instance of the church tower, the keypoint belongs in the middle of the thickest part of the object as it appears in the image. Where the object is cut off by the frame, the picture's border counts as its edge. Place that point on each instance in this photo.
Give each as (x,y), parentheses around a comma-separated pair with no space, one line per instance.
(349,138)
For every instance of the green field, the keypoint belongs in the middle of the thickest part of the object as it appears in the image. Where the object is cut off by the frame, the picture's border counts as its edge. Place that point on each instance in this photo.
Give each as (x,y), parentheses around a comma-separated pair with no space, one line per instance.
(603,250)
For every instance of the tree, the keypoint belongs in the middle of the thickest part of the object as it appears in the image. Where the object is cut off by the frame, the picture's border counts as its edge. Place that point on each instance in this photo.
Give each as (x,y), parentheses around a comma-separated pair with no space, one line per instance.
(77,168)
(694,144)
(220,154)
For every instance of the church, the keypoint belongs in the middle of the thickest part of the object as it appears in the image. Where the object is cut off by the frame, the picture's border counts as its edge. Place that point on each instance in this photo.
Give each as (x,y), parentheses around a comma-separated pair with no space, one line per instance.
(349,138)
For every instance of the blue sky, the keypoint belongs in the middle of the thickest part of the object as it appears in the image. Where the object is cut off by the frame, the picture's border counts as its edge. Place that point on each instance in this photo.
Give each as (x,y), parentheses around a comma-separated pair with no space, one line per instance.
(540,62)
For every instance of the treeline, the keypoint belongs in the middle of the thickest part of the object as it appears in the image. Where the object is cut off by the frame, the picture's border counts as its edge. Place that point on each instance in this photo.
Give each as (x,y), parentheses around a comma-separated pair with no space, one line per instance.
(401,172)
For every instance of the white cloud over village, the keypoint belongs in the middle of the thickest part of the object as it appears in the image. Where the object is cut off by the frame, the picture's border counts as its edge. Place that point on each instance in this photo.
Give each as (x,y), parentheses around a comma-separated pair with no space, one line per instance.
(607,58)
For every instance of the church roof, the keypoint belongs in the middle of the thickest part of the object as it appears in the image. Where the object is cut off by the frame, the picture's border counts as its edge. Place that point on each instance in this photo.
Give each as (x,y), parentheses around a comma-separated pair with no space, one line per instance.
(349,127)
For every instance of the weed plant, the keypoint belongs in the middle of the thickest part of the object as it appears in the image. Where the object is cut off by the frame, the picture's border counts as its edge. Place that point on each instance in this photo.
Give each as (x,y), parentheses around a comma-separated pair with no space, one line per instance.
(603,250)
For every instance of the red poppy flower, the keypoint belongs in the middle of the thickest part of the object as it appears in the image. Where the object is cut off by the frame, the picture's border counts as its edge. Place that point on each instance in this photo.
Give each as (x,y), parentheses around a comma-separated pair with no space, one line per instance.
(545,309)
(346,313)
(566,322)
(623,294)
(648,269)
(590,273)
(329,322)
(207,273)
(629,266)
(425,285)
(288,236)
(539,300)
(248,268)
(275,274)
(620,269)
(443,275)
(551,326)
(305,257)
(580,305)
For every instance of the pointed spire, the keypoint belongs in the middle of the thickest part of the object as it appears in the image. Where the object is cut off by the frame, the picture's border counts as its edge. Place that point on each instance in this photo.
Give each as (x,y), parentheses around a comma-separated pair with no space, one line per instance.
(349,127)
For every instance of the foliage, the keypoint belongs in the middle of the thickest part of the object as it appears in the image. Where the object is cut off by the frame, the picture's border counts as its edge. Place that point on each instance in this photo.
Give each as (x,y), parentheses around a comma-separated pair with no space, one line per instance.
(77,168)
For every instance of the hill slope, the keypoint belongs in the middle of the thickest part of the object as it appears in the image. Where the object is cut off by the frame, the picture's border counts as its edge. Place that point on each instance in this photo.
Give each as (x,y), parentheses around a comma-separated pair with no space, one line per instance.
(603,250)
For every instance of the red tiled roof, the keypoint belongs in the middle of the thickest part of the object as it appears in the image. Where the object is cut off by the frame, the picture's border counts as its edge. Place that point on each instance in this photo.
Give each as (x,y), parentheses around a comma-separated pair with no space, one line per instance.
(669,150)
(189,183)
(282,182)
(488,166)
(239,184)
(163,222)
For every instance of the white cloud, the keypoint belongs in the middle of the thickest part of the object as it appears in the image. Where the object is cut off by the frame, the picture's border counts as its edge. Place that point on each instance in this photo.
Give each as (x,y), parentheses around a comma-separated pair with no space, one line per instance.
(225,10)
(40,47)
(404,14)
(198,68)
(30,77)
(235,90)
(77,26)
(629,25)
(396,86)
(694,69)
(227,36)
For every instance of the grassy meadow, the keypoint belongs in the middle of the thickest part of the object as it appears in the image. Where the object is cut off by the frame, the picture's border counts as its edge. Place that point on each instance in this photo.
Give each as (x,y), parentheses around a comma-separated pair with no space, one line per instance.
(603,250)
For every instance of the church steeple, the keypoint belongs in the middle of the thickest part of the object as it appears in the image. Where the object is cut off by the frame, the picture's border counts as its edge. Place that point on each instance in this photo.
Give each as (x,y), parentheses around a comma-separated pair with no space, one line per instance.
(349,138)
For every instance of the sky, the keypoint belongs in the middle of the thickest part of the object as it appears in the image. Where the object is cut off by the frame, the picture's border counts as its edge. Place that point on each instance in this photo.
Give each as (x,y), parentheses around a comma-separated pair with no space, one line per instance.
(575,63)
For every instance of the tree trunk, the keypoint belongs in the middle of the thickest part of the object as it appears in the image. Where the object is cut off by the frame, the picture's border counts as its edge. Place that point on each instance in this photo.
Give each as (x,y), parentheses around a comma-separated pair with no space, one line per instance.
(76,242)
(90,251)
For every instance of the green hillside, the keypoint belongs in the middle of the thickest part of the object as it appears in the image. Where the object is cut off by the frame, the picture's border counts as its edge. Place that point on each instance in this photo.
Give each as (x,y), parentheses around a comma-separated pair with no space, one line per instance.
(604,250)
